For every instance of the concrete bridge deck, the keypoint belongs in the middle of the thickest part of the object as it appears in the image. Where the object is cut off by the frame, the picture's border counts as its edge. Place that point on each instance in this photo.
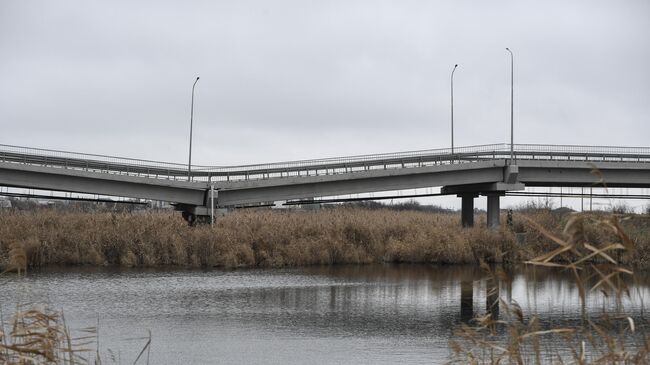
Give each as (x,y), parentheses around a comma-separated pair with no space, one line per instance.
(468,172)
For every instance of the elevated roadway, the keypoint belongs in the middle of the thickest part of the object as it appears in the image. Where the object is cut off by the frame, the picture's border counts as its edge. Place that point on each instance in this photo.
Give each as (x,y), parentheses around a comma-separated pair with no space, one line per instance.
(468,172)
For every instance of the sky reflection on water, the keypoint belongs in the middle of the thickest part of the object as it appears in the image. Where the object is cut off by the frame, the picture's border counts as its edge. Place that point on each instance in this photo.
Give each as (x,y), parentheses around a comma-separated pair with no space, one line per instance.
(340,314)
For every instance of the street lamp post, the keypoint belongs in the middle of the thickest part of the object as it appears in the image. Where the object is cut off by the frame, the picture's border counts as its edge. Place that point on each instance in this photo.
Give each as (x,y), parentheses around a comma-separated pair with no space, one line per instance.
(452,108)
(512,95)
(189,164)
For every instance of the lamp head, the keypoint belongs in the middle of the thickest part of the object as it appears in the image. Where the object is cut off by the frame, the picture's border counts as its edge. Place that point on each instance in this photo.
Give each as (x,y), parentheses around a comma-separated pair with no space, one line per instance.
(456,65)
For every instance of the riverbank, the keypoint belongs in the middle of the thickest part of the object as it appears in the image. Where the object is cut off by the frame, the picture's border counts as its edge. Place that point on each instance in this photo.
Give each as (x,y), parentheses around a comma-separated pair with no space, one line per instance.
(270,238)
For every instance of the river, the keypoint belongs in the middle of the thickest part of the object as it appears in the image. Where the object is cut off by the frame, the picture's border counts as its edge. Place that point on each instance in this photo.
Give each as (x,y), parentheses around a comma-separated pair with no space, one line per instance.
(375,314)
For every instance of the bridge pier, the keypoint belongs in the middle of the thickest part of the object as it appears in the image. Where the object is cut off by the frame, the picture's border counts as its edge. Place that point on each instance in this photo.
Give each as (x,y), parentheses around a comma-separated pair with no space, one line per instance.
(493,210)
(493,192)
(200,214)
(467,209)
(189,217)
(193,219)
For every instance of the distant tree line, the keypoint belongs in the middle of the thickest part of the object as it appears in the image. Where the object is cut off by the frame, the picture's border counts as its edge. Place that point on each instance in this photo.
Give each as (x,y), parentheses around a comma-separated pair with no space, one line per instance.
(74,206)
(410,205)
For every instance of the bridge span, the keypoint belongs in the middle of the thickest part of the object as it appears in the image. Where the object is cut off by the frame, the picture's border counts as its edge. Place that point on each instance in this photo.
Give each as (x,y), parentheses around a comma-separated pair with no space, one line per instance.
(468,172)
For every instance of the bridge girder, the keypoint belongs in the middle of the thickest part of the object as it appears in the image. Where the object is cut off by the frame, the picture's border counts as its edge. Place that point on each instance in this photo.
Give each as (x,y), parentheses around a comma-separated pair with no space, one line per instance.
(486,177)
(57,179)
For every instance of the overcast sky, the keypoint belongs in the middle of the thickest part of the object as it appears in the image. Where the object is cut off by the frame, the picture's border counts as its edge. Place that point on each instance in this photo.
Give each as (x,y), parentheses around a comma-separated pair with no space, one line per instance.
(301,79)
(285,80)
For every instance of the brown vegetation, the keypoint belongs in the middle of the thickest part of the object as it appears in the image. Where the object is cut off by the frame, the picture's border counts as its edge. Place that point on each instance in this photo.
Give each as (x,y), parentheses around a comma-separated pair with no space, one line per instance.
(343,235)
(266,238)
(604,337)
(38,335)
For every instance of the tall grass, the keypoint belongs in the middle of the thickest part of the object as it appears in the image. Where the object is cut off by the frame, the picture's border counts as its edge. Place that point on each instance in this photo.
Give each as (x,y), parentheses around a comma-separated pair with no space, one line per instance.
(245,238)
(603,337)
(37,335)
(266,238)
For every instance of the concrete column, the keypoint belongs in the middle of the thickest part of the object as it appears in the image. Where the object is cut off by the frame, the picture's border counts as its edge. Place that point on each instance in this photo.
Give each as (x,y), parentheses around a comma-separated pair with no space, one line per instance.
(493,211)
(466,300)
(467,210)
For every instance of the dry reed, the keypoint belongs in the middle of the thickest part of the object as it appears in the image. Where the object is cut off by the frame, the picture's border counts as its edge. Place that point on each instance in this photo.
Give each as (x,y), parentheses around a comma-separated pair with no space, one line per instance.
(601,338)
(266,238)
(244,238)
(38,335)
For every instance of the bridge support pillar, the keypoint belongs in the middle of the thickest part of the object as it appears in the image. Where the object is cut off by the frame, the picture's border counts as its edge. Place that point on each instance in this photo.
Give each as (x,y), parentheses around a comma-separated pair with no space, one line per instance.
(201,214)
(467,209)
(493,210)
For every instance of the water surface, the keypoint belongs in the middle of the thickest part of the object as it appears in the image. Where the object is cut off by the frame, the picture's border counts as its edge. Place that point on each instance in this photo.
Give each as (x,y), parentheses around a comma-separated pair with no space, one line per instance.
(342,314)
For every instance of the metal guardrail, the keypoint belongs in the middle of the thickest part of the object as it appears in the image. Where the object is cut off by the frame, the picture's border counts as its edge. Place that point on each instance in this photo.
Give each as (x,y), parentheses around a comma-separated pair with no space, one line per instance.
(90,162)
(326,166)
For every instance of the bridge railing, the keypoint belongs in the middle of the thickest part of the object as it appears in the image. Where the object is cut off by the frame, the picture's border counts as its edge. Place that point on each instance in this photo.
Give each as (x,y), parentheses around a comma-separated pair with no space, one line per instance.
(90,162)
(326,166)
(582,153)
(428,158)
(348,164)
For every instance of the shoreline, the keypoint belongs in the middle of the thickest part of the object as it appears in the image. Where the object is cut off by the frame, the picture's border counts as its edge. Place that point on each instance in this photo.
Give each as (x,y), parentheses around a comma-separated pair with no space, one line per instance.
(62,269)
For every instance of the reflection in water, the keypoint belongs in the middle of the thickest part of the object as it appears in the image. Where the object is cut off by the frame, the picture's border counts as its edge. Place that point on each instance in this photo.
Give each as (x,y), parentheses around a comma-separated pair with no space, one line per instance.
(336,314)
(466,300)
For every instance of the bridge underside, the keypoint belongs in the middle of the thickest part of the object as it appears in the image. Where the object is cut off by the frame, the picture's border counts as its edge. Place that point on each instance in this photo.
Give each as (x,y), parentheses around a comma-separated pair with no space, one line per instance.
(467,180)
(241,193)
(583,174)
(75,181)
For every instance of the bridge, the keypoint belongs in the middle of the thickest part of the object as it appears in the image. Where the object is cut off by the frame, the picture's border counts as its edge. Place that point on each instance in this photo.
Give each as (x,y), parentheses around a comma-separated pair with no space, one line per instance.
(468,172)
